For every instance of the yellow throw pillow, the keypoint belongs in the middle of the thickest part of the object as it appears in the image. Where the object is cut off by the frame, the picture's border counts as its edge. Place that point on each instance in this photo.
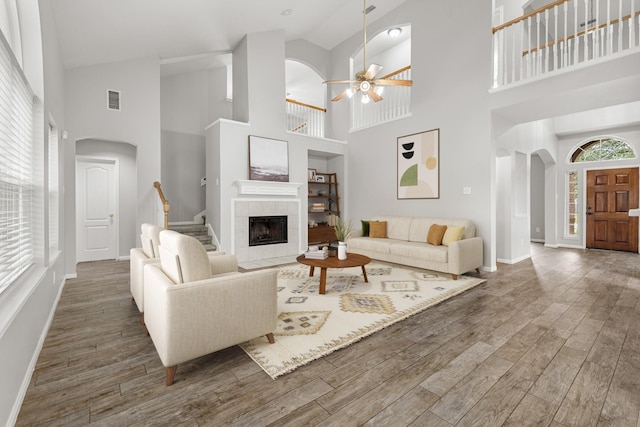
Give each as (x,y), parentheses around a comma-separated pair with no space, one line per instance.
(436,232)
(453,234)
(378,229)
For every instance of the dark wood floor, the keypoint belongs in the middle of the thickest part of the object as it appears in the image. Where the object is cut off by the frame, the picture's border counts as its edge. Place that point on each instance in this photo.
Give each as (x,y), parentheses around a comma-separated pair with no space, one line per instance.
(554,340)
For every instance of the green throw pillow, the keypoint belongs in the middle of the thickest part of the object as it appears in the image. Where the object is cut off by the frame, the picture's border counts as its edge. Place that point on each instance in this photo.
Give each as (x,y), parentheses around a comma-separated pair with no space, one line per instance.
(365,228)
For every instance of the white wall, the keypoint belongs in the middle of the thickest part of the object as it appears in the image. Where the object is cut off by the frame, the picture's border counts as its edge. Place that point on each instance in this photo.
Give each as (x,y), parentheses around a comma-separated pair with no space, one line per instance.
(189,103)
(138,124)
(450,93)
(536,194)
(26,308)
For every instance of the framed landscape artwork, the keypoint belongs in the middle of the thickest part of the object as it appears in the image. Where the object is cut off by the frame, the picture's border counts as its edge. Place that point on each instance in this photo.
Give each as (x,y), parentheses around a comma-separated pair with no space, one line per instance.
(419,165)
(268,159)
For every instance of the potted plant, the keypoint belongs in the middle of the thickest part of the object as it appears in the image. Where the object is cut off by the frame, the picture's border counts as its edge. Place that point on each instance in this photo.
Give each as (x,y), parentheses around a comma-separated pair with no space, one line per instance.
(343,231)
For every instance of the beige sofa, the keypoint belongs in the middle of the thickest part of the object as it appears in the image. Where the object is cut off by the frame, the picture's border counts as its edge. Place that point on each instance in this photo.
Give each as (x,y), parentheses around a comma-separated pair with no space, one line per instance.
(406,243)
(195,305)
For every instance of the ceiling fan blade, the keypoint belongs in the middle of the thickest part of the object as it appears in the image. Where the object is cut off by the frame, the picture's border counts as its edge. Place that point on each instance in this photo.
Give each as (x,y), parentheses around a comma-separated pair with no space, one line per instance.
(391,82)
(340,81)
(373,95)
(372,71)
(354,89)
(339,97)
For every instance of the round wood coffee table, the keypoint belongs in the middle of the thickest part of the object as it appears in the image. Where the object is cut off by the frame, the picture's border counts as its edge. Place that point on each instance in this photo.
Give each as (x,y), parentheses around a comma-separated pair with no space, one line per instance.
(353,260)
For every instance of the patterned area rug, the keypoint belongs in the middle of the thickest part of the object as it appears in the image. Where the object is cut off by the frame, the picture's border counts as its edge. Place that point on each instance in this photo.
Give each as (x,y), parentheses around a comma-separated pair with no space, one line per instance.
(311,325)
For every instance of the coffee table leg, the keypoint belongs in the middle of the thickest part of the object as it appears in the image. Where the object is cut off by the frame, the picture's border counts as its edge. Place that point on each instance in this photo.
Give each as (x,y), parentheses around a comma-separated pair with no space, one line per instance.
(364,273)
(323,280)
(311,269)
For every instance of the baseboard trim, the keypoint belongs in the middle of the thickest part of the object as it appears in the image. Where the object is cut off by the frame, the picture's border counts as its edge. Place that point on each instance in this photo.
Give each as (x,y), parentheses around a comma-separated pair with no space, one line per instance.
(13,417)
(515,260)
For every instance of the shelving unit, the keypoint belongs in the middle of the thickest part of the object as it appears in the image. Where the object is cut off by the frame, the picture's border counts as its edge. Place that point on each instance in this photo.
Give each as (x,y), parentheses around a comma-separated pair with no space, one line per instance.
(324,207)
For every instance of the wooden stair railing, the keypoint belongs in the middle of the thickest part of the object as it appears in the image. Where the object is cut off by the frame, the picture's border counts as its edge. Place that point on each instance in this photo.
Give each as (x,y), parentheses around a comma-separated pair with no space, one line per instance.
(165,204)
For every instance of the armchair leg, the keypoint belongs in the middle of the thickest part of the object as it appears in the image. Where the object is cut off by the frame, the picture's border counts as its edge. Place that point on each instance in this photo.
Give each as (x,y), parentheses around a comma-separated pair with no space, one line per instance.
(478,270)
(270,338)
(171,374)
(454,276)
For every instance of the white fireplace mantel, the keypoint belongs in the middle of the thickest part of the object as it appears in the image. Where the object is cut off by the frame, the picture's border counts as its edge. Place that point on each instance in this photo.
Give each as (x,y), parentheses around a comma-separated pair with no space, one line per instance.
(267,188)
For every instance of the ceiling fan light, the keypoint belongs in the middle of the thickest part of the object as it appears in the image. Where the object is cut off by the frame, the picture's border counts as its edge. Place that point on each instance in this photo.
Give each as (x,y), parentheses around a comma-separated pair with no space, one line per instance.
(365,86)
(394,32)
(349,92)
(365,98)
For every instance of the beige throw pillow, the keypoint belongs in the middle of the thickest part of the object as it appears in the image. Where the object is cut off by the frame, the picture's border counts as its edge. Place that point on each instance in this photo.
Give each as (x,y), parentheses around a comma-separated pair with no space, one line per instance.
(378,229)
(453,234)
(436,232)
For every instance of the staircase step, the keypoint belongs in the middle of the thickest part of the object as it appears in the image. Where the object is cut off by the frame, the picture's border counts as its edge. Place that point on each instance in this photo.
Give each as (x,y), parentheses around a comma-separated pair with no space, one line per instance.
(197,231)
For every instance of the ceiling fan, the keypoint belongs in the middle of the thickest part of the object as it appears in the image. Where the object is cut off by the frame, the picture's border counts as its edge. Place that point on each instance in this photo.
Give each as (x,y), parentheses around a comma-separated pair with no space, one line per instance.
(365,80)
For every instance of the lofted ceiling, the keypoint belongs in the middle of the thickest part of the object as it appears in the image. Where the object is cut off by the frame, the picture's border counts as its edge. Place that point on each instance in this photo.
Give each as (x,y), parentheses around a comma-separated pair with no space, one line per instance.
(196,33)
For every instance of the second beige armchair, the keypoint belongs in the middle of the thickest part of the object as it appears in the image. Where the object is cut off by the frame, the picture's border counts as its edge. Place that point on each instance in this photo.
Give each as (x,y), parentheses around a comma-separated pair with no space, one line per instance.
(194,305)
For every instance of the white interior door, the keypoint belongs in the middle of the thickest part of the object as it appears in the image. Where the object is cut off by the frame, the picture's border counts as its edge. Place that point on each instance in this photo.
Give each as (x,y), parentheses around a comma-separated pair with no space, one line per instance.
(96,209)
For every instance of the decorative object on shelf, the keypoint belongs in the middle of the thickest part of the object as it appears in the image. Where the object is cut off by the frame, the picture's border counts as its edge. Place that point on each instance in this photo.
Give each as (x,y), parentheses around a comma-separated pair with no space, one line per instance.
(418,165)
(320,178)
(311,175)
(268,159)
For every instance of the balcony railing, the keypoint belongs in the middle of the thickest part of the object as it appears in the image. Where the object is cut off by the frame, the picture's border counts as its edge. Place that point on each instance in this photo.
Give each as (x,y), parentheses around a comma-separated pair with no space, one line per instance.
(396,103)
(305,119)
(562,35)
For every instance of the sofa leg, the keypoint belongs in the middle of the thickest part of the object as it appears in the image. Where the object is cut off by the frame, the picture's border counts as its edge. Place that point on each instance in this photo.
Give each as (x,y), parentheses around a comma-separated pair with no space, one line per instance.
(454,276)
(270,338)
(171,374)
(478,270)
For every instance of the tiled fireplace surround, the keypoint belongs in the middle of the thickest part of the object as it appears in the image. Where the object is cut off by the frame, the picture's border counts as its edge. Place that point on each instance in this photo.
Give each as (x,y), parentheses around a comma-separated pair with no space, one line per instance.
(265,199)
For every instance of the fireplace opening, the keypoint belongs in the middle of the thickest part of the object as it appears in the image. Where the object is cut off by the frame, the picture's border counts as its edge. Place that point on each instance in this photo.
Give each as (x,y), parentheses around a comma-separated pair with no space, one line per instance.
(267,230)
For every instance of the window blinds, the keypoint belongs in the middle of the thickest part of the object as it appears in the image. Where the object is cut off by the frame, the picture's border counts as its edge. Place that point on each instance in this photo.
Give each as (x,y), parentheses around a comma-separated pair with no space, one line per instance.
(16,170)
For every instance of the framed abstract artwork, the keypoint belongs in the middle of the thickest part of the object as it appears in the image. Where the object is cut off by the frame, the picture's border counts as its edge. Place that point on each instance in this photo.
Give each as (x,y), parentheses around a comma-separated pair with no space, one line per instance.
(419,165)
(268,159)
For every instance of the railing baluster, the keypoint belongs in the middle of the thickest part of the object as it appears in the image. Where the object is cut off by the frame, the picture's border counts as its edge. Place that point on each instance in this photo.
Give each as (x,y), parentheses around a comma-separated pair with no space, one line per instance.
(576,45)
(596,32)
(620,26)
(565,43)
(632,25)
(546,41)
(556,59)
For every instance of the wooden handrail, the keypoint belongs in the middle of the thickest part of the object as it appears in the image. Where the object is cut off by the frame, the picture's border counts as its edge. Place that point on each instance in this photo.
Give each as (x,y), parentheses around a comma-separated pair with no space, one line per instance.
(528,15)
(579,34)
(165,204)
(293,101)
(395,73)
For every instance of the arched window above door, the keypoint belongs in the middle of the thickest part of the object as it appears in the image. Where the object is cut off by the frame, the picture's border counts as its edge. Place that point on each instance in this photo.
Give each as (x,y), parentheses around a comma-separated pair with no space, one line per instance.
(602,149)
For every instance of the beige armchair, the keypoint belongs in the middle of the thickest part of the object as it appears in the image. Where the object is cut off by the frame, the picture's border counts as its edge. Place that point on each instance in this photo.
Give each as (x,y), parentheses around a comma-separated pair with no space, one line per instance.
(138,257)
(148,253)
(195,305)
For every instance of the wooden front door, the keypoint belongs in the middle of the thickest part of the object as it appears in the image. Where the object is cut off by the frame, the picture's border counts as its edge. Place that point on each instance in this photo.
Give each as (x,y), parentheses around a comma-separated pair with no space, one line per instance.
(610,195)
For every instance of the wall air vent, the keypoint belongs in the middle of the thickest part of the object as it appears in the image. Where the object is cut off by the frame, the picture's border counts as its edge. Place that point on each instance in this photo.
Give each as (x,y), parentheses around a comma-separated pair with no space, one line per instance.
(113,100)
(369,9)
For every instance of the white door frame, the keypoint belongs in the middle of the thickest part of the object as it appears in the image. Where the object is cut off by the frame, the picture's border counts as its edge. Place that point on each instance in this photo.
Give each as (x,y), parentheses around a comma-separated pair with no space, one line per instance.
(116,183)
